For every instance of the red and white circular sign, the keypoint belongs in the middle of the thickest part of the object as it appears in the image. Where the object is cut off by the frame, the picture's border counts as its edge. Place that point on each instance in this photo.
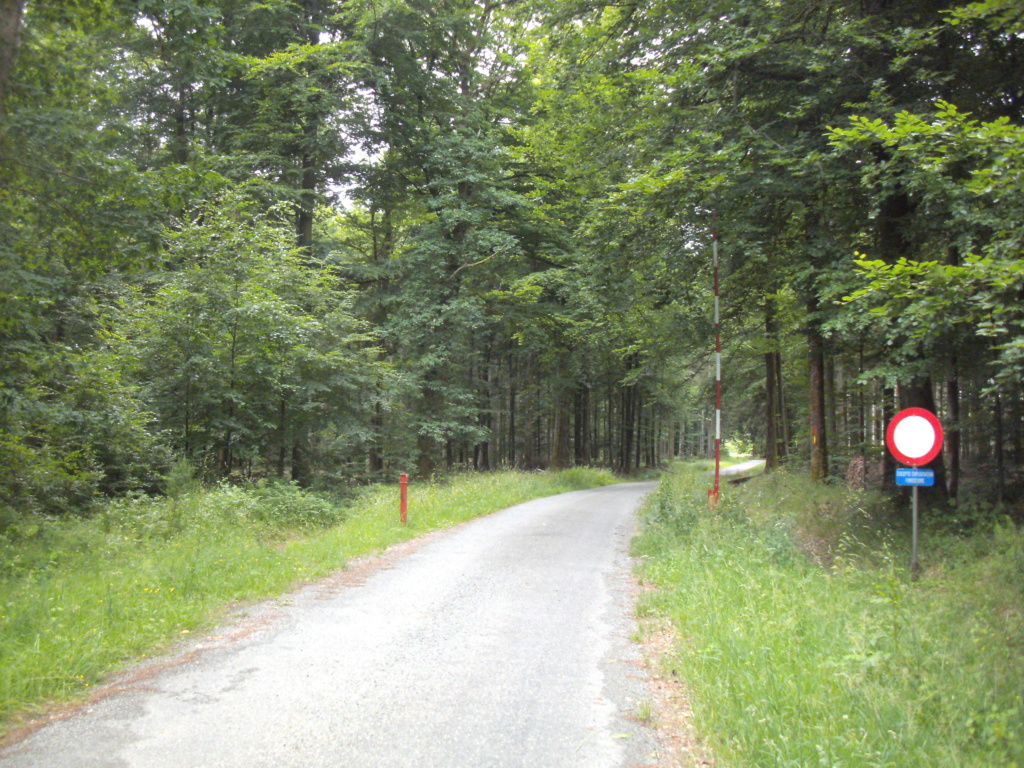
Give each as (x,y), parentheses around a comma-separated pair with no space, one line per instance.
(914,437)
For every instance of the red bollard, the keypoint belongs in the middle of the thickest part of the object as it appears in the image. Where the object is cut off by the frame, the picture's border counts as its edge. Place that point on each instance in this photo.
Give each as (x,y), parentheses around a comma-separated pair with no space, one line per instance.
(403,481)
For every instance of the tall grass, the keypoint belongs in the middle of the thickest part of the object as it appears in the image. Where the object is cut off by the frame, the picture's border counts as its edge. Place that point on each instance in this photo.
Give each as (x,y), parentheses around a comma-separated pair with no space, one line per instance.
(806,644)
(78,598)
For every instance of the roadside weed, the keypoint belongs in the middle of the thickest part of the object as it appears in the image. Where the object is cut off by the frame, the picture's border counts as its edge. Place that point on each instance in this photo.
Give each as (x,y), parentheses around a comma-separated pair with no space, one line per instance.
(818,650)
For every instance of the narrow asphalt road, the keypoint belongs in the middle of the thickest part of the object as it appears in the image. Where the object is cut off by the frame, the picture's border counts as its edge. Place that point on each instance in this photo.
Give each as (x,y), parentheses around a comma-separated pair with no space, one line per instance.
(504,642)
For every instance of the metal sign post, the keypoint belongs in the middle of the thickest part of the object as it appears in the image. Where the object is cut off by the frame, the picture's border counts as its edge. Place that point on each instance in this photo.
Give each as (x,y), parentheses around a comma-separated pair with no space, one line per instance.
(914,438)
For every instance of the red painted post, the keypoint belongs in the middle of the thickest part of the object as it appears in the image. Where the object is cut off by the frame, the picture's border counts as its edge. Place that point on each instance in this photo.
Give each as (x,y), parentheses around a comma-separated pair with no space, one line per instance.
(404,505)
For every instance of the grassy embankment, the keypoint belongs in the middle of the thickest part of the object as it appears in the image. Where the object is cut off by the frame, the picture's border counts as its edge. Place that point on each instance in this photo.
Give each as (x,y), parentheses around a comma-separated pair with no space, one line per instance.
(78,598)
(805,643)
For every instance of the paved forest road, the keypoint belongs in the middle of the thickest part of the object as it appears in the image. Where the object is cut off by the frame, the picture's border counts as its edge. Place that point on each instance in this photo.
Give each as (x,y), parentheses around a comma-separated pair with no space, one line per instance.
(505,642)
(746,466)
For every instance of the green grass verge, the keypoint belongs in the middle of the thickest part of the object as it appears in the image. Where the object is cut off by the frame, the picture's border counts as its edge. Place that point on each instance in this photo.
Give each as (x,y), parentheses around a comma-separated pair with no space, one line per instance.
(79,598)
(805,643)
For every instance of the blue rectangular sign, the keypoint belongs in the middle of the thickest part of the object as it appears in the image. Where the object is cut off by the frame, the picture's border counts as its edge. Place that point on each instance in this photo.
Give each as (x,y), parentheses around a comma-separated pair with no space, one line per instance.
(915,477)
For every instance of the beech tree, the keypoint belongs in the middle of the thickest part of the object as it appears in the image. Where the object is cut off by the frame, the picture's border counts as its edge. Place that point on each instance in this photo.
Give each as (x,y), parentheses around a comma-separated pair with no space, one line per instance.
(425,237)
(727,110)
(248,349)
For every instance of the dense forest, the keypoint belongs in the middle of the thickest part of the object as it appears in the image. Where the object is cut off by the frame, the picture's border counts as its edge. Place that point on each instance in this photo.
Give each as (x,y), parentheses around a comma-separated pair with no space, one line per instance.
(334,240)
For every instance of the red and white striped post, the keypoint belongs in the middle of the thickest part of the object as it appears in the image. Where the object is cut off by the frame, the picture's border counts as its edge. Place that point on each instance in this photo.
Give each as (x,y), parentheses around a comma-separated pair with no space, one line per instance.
(714,492)
(403,484)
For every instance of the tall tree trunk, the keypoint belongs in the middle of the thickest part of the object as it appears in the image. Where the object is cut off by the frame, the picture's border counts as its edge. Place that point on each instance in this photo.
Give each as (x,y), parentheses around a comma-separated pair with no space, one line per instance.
(1016,433)
(428,448)
(511,413)
(819,435)
(1000,462)
(531,417)
(862,423)
(785,436)
(300,465)
(282,449)
(374,456)
(831,405)
(774,443)
(888,412)
(609,431)
(426,461)
(561,450)
(188,417)
(307,205)
(183,128)
(638,433)
(581,425)
(626,421)
(951,428)
(482,460)
(816,350)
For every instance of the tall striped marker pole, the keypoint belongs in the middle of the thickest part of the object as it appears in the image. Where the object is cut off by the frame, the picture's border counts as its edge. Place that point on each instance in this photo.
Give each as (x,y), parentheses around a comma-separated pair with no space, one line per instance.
(714,492)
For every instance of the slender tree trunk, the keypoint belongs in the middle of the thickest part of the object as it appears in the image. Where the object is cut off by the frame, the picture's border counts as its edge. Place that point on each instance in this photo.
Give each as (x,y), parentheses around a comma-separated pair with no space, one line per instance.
(774,429)
(511,414)
(581,425)
(771,428)
(1017,434)
(531,417)
(638,435)
(282,426)
(227,458)
(785,437)
(831,406)
(300,465)
(1000,462)
(307,205)
(374,456)
(561,450)
(951,428)
(626,422)
(888,412)
(425,459)
(183,128)
(188,417)
(819,435)
(816,352)
(862,425)
(609,441)
(486,418)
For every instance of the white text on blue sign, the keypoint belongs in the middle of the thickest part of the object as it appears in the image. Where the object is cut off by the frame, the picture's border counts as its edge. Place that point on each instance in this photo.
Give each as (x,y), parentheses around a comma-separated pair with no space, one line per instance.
(915,477)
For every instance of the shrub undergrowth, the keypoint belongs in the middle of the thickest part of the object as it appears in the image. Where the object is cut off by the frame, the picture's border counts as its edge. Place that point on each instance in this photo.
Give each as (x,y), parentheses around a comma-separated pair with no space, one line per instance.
(805,642)
(80,597)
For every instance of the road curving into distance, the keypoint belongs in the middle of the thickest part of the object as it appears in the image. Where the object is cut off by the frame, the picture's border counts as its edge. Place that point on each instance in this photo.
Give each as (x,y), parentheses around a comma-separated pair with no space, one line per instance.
(505,642)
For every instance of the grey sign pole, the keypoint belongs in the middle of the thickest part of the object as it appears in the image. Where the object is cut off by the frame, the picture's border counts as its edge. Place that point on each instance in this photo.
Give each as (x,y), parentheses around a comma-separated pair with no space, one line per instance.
(915,567)
(914,438)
